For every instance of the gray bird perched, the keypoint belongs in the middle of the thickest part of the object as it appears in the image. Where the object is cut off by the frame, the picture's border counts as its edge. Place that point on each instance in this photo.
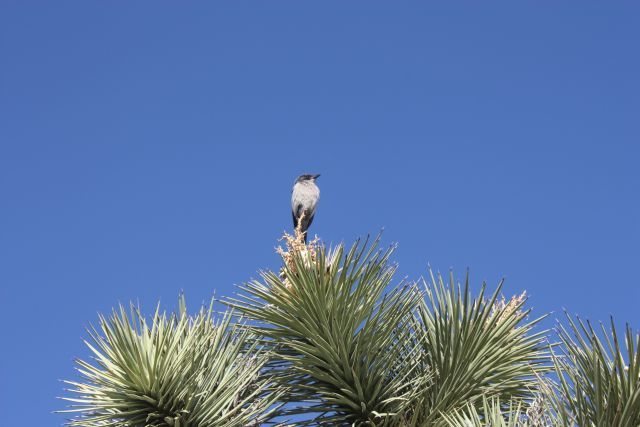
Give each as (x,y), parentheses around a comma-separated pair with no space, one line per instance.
(304,198)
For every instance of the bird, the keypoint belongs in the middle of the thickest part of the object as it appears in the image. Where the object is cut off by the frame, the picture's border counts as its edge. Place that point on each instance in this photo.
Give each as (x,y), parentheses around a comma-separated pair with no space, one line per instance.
(304,199)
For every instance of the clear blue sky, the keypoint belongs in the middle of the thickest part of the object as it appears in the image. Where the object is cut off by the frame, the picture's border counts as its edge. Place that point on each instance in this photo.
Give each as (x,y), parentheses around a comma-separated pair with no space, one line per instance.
(148,147)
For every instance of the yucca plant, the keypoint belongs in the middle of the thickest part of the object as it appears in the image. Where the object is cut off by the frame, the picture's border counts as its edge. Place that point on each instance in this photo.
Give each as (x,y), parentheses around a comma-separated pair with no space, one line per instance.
(494,413)
(174,370)
(599,379)
(330,340)
(344,349)
(359,356)
(477,348)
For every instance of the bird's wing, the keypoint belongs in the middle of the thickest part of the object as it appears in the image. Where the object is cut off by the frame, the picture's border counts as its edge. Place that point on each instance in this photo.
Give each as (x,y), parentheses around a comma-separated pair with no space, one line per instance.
(294,197)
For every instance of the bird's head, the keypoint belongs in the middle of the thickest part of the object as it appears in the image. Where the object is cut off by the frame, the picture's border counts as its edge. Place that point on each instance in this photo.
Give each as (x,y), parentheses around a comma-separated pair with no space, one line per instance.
(307,177)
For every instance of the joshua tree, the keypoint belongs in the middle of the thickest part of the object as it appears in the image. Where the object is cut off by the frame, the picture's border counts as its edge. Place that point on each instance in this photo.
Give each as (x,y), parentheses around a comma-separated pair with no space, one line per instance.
(331,340)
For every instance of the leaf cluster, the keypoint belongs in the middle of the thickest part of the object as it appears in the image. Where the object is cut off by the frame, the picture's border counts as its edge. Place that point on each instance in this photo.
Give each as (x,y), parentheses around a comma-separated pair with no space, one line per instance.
(359,351)
(176,370)
(599,378)
(331,340)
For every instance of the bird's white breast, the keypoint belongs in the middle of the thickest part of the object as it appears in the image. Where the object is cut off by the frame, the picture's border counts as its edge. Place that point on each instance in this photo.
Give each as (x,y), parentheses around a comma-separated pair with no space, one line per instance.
(305,193)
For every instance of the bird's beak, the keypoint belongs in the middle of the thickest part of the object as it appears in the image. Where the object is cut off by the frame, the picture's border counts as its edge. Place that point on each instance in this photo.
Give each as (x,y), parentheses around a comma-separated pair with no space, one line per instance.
(316,176)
